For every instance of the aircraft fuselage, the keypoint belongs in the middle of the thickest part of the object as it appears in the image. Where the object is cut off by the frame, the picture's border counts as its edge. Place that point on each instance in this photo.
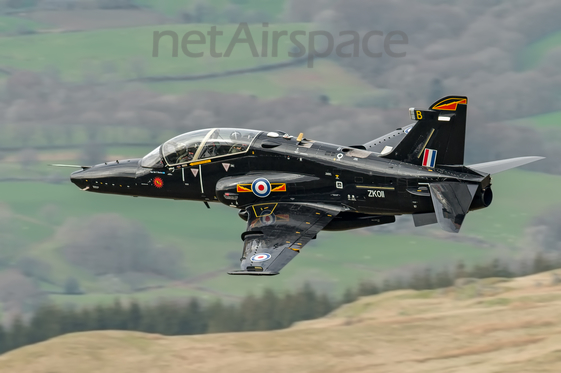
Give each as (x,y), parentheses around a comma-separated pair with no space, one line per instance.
(311,171)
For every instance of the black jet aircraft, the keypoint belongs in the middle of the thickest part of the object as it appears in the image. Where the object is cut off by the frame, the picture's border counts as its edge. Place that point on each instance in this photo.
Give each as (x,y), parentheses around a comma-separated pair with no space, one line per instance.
(289,188)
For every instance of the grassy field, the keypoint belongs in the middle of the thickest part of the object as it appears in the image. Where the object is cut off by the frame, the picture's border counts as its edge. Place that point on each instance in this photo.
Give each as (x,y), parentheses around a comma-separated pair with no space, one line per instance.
(9,25)
(533,54)
(274,8)
(343,87)
(548,124)
(518,197)
(547,121)
(116,53)
(59,135)
(75,53)
(95,19)
(495,325)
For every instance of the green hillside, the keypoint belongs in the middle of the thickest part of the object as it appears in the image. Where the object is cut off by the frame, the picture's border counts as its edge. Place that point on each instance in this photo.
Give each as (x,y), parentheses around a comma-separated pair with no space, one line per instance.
(534,53)
(326,78)
(75,53)
(273,8)
(548,124)
(547,121)
(122,54)
(9,25)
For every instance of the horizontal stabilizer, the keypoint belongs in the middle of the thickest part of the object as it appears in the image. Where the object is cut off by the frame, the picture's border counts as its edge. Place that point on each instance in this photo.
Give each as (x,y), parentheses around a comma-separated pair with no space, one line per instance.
(503,165)
(451,203)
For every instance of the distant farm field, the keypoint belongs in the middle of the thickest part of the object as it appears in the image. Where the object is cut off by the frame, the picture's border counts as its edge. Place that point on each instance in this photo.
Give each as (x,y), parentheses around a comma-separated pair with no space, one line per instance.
(547,121)
(12,25)
(549,124)
(121,54)
(273,8)
(115,51)
(341,85)
(96,19)
(533,54)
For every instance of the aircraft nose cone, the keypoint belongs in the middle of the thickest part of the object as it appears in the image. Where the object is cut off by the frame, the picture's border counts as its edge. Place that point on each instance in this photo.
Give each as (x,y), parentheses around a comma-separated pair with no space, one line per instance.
(118,172)
(79,178)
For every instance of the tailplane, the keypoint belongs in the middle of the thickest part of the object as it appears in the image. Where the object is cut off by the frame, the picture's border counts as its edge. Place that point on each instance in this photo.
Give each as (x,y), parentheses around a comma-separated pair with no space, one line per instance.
(502,165)
(438,137)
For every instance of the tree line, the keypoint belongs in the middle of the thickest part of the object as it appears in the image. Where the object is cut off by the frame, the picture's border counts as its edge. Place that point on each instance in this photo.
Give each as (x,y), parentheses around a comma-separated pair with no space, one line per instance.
(269,311)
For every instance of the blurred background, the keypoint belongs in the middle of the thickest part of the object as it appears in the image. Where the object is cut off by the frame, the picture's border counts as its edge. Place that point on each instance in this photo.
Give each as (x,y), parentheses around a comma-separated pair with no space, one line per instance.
(79,85)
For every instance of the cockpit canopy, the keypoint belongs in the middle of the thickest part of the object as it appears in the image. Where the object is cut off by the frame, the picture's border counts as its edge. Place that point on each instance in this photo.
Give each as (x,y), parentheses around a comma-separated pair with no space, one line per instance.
(200,145)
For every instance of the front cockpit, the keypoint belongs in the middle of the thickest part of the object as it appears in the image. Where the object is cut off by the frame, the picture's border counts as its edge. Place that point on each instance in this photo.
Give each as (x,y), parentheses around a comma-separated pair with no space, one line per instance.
(200,145)
(131,176)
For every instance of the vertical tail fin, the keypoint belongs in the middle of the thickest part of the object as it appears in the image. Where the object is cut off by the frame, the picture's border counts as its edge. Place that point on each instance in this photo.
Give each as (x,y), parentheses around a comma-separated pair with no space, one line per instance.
(438,137)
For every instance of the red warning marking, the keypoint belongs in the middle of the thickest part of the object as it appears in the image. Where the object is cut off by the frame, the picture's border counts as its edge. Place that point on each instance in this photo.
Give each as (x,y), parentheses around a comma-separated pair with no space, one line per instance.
(244,188)
(158,183)
(279,187)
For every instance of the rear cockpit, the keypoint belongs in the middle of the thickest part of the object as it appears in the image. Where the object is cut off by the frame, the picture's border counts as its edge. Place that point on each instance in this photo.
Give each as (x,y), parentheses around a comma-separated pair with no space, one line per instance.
(200,145)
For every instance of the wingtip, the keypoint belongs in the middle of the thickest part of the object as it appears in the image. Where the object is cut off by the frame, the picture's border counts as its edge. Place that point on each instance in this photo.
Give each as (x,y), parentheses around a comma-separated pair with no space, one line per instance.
(252,273)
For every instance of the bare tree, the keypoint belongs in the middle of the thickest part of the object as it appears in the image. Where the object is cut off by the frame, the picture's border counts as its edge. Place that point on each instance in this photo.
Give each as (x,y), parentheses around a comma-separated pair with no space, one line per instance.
(109,244)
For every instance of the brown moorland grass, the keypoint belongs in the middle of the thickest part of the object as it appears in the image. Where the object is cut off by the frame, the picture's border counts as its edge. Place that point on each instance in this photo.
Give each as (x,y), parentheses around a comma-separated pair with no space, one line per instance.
(404,331)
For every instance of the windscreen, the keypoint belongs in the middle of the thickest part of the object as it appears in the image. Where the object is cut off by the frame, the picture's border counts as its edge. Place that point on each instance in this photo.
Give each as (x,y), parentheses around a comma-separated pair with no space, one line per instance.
(153,159)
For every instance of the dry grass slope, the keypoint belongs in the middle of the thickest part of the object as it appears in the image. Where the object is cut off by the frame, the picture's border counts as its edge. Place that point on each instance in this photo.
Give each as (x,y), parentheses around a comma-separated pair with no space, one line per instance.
(492,326)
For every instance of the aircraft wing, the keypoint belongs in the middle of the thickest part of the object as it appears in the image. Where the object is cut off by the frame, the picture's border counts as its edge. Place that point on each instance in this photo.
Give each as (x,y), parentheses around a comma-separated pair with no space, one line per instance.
(276,232)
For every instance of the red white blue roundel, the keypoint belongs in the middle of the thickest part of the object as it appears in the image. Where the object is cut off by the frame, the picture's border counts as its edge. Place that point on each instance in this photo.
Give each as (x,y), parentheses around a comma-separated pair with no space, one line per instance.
(260,257)
(268,220)
(261,187)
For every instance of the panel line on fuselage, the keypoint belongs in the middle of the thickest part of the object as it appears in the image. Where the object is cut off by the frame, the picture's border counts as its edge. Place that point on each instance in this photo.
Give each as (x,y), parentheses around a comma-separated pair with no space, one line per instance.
(201,177)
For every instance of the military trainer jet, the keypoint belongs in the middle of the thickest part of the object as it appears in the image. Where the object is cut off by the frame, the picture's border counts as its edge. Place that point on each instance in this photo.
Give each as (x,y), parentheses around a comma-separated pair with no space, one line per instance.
(289,188)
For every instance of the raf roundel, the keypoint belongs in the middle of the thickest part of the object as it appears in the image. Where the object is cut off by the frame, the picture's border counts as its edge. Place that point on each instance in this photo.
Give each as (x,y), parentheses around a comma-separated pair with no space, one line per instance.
(261,187)
(260,257)
(268,220)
